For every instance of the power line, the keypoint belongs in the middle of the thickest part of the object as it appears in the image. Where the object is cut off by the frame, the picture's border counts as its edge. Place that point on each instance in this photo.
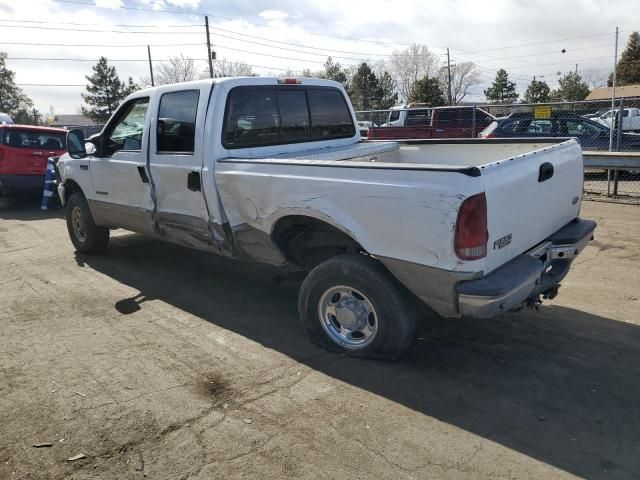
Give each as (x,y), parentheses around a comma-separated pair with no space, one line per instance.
(93,30)
(176,12)
(532,44)
(104,45)
(106,25)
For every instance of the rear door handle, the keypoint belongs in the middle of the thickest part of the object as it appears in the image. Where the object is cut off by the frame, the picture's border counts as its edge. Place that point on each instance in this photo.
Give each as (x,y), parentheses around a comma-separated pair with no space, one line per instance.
(143,174)
(546,172)
(193,181)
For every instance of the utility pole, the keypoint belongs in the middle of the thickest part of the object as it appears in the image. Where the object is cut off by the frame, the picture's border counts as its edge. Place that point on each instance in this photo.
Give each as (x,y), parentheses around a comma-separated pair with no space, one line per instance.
(449,76)
(35,117)
(206,24)
(576,68)
(613,93)
(150,66)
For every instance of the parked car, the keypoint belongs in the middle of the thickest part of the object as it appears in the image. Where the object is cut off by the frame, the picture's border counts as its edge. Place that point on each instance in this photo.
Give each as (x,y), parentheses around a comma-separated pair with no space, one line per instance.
(597,114)
(630,119)
(364,126)
(24,151)
(437,122)
(273,170)
(5,119)
(592,135)
(411,114)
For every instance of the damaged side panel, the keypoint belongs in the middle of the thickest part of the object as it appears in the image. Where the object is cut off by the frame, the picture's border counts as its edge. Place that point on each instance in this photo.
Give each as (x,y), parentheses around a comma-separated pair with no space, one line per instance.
(405,215)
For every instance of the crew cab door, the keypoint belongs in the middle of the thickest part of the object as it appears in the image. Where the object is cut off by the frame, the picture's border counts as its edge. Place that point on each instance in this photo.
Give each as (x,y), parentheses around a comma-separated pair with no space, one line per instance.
(121,191)
(176,161)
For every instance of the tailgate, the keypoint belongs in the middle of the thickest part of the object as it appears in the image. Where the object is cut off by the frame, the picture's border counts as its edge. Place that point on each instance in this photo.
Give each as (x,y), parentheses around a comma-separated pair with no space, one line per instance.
(529,197)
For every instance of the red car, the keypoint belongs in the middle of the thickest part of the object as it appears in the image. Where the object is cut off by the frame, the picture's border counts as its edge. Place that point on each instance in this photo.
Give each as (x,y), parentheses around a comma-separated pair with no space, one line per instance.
(24,151)
(436,122)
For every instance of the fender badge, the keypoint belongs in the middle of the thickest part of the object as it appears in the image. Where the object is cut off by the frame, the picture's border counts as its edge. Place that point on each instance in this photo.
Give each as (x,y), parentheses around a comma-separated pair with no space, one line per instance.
(502,242)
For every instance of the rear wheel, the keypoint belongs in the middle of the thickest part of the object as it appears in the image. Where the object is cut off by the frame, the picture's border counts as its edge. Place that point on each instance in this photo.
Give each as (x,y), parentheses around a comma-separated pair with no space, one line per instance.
(85,235)
(352,304)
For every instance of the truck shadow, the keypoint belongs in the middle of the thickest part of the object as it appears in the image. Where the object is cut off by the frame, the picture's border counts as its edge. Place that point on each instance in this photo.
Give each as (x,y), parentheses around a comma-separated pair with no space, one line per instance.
(561,386)
(27,208)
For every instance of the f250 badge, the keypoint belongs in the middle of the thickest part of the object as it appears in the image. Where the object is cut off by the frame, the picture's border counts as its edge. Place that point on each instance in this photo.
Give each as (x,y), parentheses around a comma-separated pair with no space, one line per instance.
(502,242)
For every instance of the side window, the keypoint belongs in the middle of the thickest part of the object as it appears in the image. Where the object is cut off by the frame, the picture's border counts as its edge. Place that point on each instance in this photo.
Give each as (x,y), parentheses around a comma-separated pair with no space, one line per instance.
(330,116)
(252,118)
(394,115)
(126,132)
(176,121)
(418,117)
(294,115)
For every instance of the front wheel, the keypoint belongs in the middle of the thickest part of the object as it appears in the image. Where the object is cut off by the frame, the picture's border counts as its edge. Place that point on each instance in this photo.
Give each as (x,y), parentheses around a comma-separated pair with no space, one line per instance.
(352,304)
(85,235)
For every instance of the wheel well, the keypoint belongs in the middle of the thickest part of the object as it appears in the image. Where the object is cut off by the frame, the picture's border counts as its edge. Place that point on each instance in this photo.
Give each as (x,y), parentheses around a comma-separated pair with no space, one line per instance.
(307,242)
(70,187)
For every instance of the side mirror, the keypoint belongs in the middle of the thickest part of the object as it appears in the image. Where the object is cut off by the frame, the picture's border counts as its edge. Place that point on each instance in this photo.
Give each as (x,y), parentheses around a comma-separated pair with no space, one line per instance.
(75,144)
(90,148)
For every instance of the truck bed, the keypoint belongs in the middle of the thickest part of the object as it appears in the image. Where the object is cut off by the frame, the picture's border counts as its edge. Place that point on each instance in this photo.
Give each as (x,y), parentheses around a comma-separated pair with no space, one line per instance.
(450,154)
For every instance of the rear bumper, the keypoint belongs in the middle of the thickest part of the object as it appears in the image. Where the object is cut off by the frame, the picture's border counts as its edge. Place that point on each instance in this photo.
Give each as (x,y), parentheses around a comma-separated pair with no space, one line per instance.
(538,271)
(21,183)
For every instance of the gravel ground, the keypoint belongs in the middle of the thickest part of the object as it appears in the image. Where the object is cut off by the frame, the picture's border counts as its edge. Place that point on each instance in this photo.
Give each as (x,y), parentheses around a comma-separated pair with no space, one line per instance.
(160,362)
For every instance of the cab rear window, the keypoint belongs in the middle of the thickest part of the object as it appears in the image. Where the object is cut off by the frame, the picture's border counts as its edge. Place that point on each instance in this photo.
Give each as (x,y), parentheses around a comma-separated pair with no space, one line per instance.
(258,116)
(33,139)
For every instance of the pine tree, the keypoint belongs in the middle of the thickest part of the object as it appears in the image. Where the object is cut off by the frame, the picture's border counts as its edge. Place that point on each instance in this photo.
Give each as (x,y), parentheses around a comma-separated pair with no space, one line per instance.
(365,89)
(427,90)
(12,98)
(537,92)
(334,71)
(571,88)
(628,68)
(502,90)
(388,93)
(105,91)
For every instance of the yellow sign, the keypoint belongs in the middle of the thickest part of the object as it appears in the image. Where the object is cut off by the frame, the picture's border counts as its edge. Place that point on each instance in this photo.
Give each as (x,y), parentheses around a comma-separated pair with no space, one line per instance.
(542,112)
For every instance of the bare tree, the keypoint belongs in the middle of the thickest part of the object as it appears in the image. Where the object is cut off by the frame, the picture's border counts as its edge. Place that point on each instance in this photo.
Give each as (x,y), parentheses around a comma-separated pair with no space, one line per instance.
(464,75)
(176,70)
(229,68)
(595,77)
(410,65)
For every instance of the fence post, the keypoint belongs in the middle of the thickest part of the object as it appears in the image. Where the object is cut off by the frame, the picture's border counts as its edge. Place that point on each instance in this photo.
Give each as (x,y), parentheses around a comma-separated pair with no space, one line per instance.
(620,121)
(620,117)
(473,123)
(608,182)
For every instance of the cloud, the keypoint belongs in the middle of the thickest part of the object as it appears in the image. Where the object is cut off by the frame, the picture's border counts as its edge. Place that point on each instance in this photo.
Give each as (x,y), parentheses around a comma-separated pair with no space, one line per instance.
(109,3)
(274,15)
(473,31)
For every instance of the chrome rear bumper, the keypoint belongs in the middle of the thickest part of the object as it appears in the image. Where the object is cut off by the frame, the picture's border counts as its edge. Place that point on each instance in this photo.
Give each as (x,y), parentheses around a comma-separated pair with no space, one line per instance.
(535,272)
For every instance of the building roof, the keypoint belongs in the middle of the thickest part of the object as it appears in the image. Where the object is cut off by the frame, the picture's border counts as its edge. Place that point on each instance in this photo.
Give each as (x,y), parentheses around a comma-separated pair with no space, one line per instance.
(71,120)
(604,93)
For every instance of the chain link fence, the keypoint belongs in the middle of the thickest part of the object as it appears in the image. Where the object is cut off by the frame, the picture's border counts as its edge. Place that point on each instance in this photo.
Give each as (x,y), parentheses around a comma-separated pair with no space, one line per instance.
(597,126)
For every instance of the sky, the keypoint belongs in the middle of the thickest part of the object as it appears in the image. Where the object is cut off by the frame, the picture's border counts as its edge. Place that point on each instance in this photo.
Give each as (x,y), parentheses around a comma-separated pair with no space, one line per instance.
(52,44)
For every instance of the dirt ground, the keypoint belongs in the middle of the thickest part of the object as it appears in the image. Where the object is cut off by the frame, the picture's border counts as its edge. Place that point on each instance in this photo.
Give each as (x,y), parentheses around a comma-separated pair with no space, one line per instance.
(160,362)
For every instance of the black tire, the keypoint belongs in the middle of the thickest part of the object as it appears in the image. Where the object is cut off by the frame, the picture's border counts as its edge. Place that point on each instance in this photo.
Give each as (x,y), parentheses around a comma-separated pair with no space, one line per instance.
(86,236)
(393,305)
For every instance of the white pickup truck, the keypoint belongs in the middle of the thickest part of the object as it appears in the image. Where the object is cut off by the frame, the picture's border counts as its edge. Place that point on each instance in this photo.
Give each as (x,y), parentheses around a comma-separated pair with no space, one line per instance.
(630,119)
(274,170)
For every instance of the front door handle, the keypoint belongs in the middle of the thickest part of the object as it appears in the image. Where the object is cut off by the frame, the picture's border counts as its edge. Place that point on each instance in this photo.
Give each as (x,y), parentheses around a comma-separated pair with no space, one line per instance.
(193,181)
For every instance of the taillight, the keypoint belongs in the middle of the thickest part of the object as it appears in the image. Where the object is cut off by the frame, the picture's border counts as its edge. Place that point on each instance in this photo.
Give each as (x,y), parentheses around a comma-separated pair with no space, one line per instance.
(489,135)
(471,235)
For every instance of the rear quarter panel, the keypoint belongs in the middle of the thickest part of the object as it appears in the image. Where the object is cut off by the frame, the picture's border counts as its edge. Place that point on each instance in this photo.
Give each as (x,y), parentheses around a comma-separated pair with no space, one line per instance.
(400,214)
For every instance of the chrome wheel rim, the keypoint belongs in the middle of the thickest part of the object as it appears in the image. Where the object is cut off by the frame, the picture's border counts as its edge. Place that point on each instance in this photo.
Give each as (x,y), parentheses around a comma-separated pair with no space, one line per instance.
(76,222)
(348,317)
